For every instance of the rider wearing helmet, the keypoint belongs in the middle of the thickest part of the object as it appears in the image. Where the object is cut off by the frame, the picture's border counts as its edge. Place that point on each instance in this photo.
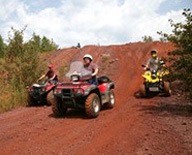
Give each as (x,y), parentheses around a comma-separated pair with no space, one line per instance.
(154,63)
(90,66)
(52,76)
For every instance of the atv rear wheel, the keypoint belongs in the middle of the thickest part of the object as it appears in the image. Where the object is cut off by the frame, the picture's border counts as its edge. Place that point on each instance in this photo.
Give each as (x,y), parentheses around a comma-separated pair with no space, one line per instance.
(92,105)
(111,102)
(142,91)
(50,98)
(30,100)
(58,108)
(167,89)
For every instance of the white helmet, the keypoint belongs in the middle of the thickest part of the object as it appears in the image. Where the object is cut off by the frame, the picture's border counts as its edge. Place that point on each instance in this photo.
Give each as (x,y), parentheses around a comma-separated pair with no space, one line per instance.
(88,56)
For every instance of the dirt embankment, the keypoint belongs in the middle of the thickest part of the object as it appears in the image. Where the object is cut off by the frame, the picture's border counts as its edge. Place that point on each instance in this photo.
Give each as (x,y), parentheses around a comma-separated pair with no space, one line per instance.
(134,126)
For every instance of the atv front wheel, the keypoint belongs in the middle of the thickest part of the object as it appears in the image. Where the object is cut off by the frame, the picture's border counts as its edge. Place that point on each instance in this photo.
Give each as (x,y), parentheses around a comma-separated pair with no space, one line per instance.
(58,108)
(142,91)
(92,105)
(111,102)
(167,89)
(30,101)
(50,98)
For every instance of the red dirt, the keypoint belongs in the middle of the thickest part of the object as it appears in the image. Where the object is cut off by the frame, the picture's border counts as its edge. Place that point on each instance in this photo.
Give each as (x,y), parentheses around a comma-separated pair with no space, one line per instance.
(135,126)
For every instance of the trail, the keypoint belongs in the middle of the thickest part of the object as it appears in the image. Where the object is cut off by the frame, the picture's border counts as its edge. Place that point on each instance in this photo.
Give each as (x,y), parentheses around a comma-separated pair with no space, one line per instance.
(126,129)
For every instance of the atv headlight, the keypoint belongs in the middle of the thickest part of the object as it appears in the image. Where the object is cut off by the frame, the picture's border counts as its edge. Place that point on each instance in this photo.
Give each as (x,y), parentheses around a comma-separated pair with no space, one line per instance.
(78,91)
(43,89)
(153,76)
(30,89)
(75,78)
(57,91)
(87,91)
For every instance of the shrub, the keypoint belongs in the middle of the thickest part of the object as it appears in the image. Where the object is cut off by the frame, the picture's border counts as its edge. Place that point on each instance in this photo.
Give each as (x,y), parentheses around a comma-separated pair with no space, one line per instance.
(181,58)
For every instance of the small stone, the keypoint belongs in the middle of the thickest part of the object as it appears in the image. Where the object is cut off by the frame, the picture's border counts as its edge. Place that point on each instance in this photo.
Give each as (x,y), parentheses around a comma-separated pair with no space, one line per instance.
(165,130)
(160,132)
(184,123)
(178,95)
(146,149)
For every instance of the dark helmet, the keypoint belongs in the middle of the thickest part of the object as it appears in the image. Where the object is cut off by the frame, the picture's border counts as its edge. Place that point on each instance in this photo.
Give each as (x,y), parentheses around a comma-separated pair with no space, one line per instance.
(153,51)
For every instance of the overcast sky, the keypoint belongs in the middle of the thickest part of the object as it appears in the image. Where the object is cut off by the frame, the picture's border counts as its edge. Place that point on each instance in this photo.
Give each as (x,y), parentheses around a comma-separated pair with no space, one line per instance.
(101,22)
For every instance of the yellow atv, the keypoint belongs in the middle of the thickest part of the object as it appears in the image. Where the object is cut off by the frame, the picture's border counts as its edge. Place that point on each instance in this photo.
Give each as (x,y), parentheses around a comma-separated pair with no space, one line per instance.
(154,82)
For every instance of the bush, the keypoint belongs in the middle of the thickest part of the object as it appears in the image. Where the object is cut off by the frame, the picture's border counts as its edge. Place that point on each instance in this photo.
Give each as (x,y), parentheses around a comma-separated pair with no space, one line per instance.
(181,58)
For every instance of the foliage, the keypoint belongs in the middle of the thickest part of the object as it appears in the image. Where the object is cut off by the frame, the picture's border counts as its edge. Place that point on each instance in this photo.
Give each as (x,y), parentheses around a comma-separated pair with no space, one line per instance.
(42,44)
(181,58)
(47,45)
(163,39)
(147,38)
(2,47)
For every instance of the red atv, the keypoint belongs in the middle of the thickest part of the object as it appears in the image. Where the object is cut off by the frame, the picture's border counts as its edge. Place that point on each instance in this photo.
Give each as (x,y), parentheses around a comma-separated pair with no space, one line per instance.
(78,93)
(40,93)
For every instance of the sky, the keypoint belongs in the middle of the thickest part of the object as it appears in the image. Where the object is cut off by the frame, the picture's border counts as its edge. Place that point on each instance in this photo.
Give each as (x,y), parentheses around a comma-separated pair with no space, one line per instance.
(102,22)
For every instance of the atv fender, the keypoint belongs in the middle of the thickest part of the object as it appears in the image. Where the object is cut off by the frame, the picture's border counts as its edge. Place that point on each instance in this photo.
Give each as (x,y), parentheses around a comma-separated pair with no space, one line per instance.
(90,89)
(111,86)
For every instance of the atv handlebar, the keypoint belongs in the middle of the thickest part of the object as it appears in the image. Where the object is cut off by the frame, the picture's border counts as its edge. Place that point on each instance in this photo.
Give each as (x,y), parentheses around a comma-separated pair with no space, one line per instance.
(145,67)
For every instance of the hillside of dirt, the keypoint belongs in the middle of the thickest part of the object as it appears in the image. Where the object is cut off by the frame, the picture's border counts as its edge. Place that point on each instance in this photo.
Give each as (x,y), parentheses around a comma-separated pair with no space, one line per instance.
(156,126)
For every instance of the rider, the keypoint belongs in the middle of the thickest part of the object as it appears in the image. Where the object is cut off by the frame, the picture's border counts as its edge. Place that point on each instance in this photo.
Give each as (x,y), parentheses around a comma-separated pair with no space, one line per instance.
(155,62)
(52,76)
(90,66)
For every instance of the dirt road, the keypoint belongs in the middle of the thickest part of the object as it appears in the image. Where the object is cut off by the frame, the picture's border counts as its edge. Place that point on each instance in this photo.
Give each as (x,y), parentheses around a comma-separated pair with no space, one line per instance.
(135,126)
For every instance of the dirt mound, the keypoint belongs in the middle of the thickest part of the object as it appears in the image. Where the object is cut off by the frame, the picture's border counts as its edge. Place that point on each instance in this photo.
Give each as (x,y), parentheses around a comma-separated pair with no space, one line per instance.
(122,63)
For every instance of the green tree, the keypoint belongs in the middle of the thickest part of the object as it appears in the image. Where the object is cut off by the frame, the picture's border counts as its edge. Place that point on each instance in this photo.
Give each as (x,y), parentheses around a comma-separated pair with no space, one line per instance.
(2,47)
(147,38)
(35,42)
(47,45)
(15,46)
(181,58)
(162,39)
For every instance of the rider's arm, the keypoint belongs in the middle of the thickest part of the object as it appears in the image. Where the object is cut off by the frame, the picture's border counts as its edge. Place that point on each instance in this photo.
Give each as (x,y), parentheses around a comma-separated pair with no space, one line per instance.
(53,77)
(95,72)
(147,64)
(43,76)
